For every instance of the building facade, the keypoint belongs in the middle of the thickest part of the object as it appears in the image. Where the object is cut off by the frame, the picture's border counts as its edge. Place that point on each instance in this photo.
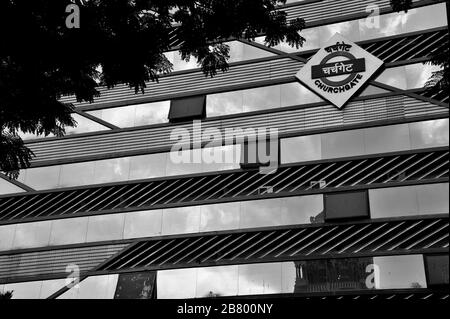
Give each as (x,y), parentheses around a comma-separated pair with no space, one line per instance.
(357,205)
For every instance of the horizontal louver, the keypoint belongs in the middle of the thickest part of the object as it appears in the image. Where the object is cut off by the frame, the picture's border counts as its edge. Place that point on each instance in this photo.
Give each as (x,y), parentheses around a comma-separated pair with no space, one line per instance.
(237,185)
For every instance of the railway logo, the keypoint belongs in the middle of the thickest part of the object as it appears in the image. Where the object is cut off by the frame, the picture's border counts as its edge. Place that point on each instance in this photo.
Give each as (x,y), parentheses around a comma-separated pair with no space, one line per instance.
(339,70)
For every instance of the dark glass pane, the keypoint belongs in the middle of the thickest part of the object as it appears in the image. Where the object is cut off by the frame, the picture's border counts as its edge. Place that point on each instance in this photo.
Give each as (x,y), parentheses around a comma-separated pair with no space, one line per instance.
(136,286)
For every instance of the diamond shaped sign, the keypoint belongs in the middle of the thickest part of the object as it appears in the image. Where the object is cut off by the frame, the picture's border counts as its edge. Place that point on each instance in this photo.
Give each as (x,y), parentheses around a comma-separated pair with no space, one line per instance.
(338,70)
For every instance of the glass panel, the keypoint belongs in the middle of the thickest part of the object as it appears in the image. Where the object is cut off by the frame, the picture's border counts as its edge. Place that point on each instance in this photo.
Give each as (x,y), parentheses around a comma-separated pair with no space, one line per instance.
(69,231)
(228,158)
(217,281)
(225,103)
(240,52)
(119,116)
(263,98)
(176,284)
(398,272)
(389,24)
(302,210)
(31,235)
(9,188)
(98,287)
(112,170)
(105,227)
(387,139)
(43,177)
(25,290)
(260,279)
(343,144)
(188,165)
(180,64)
(418,74)
(288,277)
(429,133)
(143,224)
(261,213)
(152,113)
(393,202)
(84,125)
(181,220)
(296,94)
(395,77)
(148,166)
(135,115)
(77,174)
(433,199)
(7,236)
(349,29)
(219,217)
(300,149)
(49,287)
(426,18)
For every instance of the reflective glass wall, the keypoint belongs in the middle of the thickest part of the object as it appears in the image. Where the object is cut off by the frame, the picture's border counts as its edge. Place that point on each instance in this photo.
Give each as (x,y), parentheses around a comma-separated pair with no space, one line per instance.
(382,139)
(171,221)
(418,19)
(312,276)
(130,168)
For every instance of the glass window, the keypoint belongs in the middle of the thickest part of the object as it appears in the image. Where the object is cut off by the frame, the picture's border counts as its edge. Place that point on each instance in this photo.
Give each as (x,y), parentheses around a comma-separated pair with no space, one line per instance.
(427,17)
(393,202)
(229,156)
(68,231)
(148,166)
(348,29)
(302,210)
(7,236)
(259,279)
(181,220)
(395,77)
(297,94)
(260,213)
(400,272)
(389,24)
(288,277)
(220,217)
(49,287)
(112,170)
(343,144)
(301,148)
(225,103)
(143,224)
(119,116)
(105,227)
(178,63)
(418,74)
(9,188)
(96,287)
(77,174)
(433,199)
(310,276)
(184,162)
(43,177)
(30,235)
(429,133)
(84,125)
(152,113)
(25,290)
(387,139)
(176,284)
(241,52)
(262,98)
(217,281)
